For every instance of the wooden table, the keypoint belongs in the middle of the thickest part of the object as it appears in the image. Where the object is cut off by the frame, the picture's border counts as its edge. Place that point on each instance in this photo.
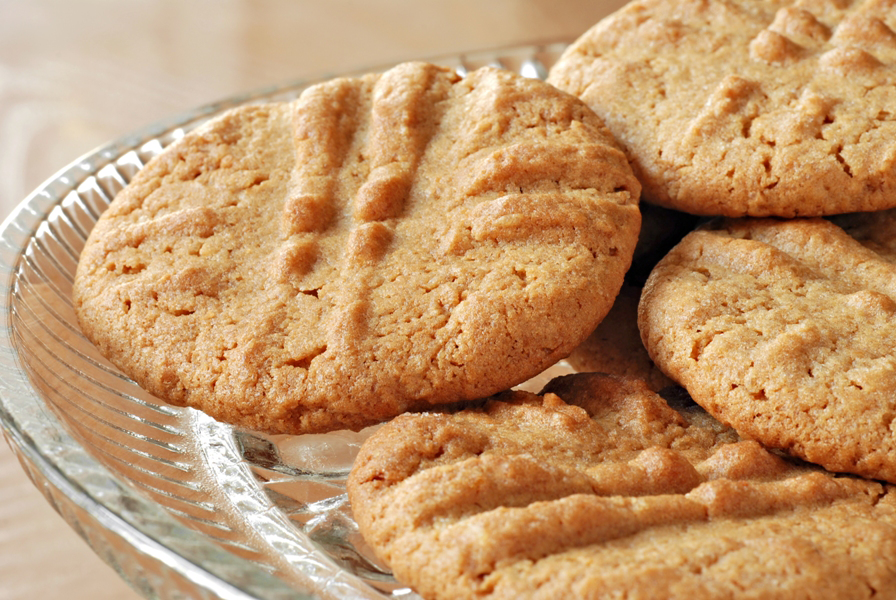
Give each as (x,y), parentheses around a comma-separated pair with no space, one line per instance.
(76,74)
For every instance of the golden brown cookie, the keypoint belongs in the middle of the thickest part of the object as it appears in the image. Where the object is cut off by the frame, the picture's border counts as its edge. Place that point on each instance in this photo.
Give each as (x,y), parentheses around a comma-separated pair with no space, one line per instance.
(599,489)
(382,243)
(748,107)
(615,347)
(786,331)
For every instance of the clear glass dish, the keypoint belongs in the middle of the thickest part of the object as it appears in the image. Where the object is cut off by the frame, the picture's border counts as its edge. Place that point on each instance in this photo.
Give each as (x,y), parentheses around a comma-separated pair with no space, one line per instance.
(181,506)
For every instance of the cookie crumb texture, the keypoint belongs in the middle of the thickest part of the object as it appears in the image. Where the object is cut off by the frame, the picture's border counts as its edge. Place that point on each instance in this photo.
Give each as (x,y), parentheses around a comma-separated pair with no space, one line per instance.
(751,107)
(380,244)
(599,489)
(785,330)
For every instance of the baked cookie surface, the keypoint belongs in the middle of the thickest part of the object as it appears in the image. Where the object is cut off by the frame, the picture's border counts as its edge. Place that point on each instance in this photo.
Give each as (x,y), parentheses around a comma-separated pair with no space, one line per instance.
(784,330)
(747,107)
(599,489)
(380,244)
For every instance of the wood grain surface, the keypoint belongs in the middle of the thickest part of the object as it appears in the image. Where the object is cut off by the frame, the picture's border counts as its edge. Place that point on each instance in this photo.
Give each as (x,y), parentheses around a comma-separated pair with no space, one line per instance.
(74,75)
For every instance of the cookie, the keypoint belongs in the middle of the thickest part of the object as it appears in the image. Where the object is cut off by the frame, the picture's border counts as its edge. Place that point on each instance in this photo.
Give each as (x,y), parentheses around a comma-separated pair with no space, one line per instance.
(615,347)
(599,489)
(381,244)
(747,107)
(784,330)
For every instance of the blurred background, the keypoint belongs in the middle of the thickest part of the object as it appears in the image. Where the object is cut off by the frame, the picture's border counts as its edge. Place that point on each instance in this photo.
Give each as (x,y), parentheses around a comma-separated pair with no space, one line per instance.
(74,75)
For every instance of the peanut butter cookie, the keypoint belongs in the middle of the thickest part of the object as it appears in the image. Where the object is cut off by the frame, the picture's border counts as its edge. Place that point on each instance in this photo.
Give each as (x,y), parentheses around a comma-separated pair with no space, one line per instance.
(785,330)
(383,243)
(600,489)
(748,107)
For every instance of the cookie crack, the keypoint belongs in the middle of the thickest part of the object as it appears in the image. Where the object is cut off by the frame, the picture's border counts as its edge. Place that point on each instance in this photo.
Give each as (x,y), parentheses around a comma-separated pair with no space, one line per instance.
(701,342)
(838,155)
(304,362)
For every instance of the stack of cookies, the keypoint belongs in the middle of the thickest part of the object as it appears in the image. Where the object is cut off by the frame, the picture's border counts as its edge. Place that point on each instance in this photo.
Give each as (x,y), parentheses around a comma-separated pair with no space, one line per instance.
(408,246)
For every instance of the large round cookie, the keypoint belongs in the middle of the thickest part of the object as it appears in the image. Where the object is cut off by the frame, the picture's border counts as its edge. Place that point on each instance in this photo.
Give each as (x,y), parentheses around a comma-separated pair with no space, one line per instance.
(381,244)
(599,489)
(748,107)
(786,330)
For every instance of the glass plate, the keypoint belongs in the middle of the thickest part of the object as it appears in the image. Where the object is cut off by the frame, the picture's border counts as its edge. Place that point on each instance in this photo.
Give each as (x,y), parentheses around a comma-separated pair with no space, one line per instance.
(180,505)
